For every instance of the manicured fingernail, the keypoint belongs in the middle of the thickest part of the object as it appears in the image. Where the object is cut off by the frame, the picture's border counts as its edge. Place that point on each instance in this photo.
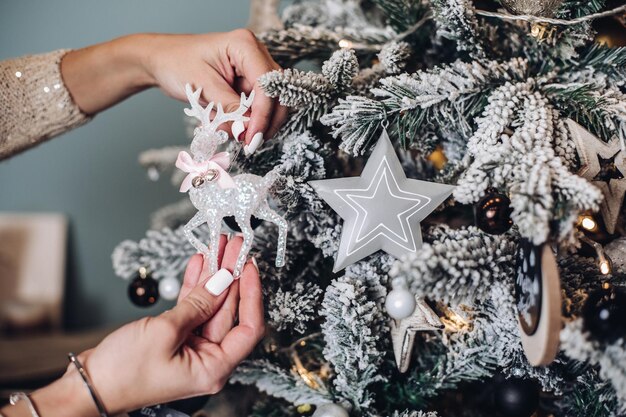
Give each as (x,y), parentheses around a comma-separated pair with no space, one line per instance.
(219,282)
(237,129)
(253,259)
(257,140)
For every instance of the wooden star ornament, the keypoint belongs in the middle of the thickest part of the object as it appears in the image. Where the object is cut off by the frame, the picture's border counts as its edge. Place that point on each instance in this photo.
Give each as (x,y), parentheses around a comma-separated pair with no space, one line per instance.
(604,165)
(403,332)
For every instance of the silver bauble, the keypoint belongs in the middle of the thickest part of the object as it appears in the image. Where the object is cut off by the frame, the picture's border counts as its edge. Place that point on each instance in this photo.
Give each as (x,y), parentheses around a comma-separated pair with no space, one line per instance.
(541,8)
(330,410)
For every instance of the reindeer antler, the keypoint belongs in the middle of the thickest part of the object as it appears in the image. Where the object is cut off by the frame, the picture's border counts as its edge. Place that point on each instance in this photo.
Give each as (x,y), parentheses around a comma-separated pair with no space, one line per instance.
(203,114)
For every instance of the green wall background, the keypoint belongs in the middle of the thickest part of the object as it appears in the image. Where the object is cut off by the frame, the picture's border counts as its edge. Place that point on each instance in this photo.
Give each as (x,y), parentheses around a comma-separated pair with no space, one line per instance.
(91,174)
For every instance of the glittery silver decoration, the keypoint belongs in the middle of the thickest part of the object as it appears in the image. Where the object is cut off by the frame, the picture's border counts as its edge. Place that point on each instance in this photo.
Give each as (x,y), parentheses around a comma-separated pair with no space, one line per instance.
(541,8)
(382,208)
(248,198)
(403,332)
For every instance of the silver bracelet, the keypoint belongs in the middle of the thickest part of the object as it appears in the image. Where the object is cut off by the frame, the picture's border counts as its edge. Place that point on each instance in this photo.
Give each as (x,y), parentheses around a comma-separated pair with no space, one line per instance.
(83,374)
(17,396)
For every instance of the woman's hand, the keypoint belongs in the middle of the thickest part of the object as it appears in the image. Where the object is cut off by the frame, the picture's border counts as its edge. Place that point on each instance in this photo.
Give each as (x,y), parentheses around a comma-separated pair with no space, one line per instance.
(223,64)
(160,359)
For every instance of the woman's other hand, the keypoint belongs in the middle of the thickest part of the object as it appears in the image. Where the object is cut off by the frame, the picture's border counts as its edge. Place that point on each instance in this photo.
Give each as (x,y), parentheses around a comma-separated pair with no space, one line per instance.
(223,64)
(187,351)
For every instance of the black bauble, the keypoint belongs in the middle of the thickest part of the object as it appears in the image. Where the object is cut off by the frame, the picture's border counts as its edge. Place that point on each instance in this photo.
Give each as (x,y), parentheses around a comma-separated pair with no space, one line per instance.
(493,213)
(232,223)
(143,291)
(516,397)
(604,312)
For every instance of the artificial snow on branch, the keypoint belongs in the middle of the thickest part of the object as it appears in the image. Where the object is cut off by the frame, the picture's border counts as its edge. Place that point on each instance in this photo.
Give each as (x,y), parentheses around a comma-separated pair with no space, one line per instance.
(446,98)
(457,20)
(311,94)
(352,345)
(277,382)
(292,310)
(164,253)
(305,42)
(513,150)
(392,59)
(458,265)
(611,358)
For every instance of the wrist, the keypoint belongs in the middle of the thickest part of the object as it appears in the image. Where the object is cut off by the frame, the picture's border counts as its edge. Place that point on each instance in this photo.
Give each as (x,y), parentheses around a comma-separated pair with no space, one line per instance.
(133,53)
(66,397)
(114,70)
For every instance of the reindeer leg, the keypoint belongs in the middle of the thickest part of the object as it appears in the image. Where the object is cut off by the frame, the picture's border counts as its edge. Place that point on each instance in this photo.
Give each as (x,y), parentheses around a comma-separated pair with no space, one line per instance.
(214,233)
(195,221)
(266,213)
(248,236)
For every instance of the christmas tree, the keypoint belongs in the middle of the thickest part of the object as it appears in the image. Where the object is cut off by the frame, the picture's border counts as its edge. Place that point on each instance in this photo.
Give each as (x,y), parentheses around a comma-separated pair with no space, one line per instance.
(514,303)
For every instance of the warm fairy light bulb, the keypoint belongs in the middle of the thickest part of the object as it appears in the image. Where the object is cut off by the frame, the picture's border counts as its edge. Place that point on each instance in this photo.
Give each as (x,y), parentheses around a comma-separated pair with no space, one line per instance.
(588,223)
(605,267)
(143,272)
(344,43)
(454,322)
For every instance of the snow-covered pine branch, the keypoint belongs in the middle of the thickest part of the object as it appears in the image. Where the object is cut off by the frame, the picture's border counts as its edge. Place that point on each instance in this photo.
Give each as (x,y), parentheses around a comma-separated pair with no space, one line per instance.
(459,265)
(277,382)
(352,344)
(302,42)
(513,150)
(311,94)
(445,98)
(164,253)
(456,20)
(293,309)
(392,59)
(611,359)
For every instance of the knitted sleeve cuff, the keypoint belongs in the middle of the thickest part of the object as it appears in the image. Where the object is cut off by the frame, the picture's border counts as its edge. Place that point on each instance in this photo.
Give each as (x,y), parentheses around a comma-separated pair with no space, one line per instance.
(36,105)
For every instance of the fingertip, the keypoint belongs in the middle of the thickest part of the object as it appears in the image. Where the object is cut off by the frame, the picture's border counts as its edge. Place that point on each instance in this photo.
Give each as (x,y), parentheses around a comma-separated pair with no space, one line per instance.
(261,113)
(191,275)
(195,261)
(250,276)
(280,117)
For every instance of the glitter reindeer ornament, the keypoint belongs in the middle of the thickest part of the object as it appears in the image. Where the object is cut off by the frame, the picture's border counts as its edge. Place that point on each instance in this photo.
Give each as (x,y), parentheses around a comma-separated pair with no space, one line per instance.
(215,193)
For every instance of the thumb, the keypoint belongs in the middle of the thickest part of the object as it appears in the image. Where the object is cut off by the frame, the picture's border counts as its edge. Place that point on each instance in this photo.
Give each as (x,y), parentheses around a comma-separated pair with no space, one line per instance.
(198,306)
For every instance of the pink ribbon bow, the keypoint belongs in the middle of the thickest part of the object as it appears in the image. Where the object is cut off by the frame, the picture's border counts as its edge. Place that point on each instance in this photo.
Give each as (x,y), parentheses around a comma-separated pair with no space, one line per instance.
(218,162)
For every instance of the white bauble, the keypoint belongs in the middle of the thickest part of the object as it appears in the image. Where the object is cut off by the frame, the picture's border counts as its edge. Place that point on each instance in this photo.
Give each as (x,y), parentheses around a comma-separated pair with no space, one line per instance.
(400,303)
(169,288)
(330,410)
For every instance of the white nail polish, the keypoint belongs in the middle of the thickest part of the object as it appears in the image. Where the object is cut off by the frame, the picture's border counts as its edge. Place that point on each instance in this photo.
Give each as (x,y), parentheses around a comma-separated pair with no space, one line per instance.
(257,140)
(219,282)
(237,129)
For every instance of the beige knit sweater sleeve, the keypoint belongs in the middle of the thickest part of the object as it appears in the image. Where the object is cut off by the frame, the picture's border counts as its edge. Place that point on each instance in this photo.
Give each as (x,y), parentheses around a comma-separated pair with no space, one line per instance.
(35,104)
